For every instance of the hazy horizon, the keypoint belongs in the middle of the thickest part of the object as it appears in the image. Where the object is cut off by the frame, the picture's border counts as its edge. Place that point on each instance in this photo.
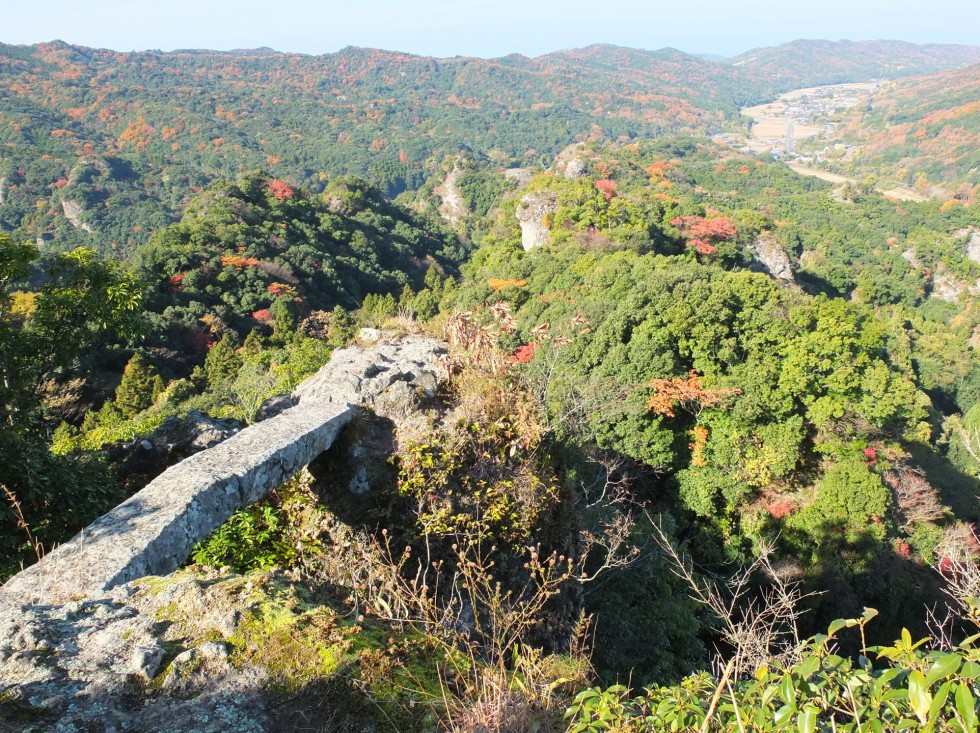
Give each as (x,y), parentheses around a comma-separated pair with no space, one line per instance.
(483,28)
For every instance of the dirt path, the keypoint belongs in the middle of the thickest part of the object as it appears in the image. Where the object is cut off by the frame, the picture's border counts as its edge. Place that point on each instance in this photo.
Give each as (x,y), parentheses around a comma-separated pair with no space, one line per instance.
(899,193)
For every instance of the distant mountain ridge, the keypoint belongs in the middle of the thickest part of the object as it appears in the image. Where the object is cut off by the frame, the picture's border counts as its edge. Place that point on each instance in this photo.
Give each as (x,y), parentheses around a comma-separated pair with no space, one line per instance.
(165,124)
(814,62)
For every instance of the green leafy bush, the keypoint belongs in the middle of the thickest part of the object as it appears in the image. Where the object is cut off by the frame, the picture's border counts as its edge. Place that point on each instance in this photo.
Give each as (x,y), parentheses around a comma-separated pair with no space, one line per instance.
(905,688)
(274,533)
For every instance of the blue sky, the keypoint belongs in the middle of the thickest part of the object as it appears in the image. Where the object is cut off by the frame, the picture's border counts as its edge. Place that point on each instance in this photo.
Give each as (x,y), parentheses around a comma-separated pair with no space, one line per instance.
(483,27)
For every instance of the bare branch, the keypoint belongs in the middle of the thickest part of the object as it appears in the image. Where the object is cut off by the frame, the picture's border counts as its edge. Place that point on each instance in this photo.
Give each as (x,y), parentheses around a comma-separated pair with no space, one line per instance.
(760,626)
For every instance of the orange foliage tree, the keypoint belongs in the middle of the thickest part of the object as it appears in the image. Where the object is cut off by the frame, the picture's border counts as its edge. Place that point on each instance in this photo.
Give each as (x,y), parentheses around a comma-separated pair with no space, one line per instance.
(686,393)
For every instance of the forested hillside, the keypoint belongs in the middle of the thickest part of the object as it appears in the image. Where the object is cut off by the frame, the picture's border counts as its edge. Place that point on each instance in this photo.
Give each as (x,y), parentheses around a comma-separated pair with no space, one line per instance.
(924,131)
(103,148)
(698,412)
(807,63)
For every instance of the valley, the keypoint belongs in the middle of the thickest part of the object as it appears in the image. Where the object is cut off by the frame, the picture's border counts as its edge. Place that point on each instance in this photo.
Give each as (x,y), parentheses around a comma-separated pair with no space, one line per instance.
(803,127)
(572,393)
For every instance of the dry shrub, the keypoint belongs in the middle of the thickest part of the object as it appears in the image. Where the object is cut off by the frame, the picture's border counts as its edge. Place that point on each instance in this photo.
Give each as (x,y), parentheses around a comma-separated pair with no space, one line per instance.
(759,625)
(917,501)
(956,562)
(493,679)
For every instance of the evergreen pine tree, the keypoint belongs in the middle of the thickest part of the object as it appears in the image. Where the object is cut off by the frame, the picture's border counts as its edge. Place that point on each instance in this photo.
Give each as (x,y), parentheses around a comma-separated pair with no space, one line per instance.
(222,363)
(284,320)
(253,344)
(140,386)
(343,327)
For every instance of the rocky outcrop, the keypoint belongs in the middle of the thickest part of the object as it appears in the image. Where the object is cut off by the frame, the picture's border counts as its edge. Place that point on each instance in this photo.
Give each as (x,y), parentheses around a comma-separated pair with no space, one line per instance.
(154,531)
(88,168)
(3,190)
(772,258)
(575,168)
(947,286)
(572,161)
(177,438)
(973,246)
(73,213)
(452,208)
(85,644)
(534,213)
(521,176)
(158,654)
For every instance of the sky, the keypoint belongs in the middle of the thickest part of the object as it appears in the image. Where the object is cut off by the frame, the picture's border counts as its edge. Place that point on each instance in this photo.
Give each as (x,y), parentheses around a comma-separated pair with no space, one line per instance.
(486,28)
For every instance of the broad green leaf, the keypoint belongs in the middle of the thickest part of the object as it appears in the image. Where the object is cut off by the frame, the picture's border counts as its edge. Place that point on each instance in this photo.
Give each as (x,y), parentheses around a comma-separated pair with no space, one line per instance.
(787,690)
(966,706)
(836,625)
(939,701)
(970,670)
(919,696)
(944,666)
(782,716)
(806,721)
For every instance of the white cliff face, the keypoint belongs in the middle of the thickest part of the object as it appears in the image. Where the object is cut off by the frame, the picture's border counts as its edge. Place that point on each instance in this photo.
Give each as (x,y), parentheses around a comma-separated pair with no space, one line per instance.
(575,168)
(521,176)
(772,258)
(452,208)
(73,213)
(572,162)
(946,286)
(533,214)
(973,246)
(3,190)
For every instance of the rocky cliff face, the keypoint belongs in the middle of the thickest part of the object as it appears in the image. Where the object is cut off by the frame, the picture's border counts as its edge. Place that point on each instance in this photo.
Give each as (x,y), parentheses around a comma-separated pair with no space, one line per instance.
(772,258)
(521,176)
(534,213)
(73,213)
(91,640)
(572,162)
(452,208)
(946,286)
(973,246)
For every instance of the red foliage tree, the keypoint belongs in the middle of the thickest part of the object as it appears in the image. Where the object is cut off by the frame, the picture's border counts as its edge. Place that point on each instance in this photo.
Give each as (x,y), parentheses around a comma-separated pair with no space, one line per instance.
(280,190)
(524,353)
(606,187)
(703,233)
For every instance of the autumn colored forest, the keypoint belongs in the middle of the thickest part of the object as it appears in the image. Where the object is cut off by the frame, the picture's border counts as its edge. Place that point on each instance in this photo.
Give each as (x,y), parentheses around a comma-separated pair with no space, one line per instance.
(707,453)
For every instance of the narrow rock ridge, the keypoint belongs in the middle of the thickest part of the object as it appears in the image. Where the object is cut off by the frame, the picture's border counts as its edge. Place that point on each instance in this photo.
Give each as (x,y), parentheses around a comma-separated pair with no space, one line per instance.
(534,213)
(155,530)
(452,209)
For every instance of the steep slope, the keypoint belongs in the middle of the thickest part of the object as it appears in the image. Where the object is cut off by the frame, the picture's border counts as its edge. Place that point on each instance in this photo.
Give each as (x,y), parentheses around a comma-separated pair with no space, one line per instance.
(924,131)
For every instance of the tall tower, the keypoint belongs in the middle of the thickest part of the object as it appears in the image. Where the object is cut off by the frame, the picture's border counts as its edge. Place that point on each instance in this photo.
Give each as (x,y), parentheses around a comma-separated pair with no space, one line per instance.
(789,135)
